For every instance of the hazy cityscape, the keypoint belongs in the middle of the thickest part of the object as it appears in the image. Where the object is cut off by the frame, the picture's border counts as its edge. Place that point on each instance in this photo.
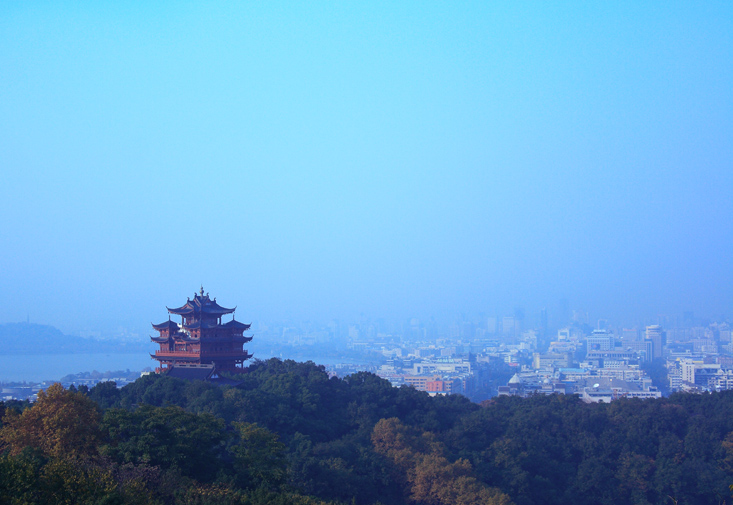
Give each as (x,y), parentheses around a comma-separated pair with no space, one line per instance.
(480,357)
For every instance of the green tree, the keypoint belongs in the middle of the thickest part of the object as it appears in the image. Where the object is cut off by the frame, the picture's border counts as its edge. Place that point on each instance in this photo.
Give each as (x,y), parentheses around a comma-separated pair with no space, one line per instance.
(168,437)
(105,394)
(19,478)
(259,457)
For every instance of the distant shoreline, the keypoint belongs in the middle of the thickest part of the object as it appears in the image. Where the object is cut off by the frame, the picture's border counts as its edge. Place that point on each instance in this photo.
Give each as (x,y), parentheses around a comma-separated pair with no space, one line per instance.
(41,367)
(67,352)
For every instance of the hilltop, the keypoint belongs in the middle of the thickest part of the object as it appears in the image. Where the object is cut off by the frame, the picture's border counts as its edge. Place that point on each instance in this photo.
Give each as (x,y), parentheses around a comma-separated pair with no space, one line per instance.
(31,338)
(290,434)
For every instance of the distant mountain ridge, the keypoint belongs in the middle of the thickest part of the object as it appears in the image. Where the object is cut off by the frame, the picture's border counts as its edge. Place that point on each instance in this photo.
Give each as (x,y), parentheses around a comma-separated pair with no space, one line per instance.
(31,338)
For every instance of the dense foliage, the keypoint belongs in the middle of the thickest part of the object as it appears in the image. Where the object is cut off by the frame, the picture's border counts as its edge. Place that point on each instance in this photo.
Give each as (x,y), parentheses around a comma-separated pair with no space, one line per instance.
(291,434)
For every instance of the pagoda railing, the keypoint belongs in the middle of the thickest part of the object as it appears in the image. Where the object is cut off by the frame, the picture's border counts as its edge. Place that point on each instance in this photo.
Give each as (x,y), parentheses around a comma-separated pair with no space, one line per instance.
(177,353)
(222,338)
(225,354)
(197,354)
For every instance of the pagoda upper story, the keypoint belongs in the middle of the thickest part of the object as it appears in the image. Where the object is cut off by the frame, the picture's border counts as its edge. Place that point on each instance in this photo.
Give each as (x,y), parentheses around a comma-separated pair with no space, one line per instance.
(201,338)
(201,308)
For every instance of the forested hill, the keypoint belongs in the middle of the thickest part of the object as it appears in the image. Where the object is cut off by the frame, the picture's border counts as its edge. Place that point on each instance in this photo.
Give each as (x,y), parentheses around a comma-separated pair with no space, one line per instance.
(291,434)
(30,338)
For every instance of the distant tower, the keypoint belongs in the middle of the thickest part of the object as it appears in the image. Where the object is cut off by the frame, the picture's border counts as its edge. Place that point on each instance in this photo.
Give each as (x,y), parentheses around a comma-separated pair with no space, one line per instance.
(518,319)
(201,338)
(655,334)
(563,312)
(491,325)
(508,326)
(543,322)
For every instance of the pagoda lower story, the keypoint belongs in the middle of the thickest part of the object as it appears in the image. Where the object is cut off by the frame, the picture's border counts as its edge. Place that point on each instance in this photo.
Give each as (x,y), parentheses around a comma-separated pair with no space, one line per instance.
(201,338)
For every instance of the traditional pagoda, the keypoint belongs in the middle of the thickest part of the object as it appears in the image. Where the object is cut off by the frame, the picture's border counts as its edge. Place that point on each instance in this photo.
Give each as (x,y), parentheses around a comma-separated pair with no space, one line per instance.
(201,339)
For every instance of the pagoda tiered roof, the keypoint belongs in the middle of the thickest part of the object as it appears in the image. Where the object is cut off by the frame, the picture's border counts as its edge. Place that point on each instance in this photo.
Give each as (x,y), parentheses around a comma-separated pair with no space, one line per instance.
(168,325)
(201,305)
(237,325)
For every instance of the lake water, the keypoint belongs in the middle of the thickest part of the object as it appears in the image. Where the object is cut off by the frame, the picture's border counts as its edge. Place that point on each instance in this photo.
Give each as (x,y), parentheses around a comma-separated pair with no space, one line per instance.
(40,367)
(37,368)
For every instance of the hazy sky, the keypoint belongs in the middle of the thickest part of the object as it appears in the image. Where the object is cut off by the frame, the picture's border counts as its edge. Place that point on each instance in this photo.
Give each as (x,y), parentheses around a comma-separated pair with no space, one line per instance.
(395,159)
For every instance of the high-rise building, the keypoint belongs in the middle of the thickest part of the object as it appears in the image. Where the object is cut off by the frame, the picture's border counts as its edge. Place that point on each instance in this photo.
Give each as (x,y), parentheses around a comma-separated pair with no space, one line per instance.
(724,332)
(563,312)
(508,326)
(543,322)
(630,335)
(642,347)
(600,340)
(491,325)
(655,334)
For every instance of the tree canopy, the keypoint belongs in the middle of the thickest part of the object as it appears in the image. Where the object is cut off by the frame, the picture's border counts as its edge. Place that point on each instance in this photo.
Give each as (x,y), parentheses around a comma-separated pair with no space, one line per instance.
(291,434)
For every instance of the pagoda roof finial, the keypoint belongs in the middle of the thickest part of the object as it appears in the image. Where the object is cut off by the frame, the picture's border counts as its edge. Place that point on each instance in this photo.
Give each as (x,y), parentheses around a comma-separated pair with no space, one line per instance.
(202,290)
(200,304)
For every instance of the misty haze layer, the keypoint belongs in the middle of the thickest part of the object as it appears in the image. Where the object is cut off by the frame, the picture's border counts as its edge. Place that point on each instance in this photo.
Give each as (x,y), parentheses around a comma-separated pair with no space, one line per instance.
(408,160)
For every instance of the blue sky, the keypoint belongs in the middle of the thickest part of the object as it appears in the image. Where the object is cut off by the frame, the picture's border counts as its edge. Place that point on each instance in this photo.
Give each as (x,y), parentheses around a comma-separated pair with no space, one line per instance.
(399,160)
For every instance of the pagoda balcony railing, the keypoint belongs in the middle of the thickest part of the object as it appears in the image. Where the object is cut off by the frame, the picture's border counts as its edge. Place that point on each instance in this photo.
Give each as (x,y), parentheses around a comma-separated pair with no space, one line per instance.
(218,338)
(196,354)
(177,353)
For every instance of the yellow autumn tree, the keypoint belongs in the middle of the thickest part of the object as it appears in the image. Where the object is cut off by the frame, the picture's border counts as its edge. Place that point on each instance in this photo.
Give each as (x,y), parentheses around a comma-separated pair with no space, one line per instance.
(62,424)
(429,476)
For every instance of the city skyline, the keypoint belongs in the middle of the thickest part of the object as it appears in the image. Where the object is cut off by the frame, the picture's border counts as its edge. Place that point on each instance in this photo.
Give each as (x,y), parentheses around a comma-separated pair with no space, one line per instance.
(136,329)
